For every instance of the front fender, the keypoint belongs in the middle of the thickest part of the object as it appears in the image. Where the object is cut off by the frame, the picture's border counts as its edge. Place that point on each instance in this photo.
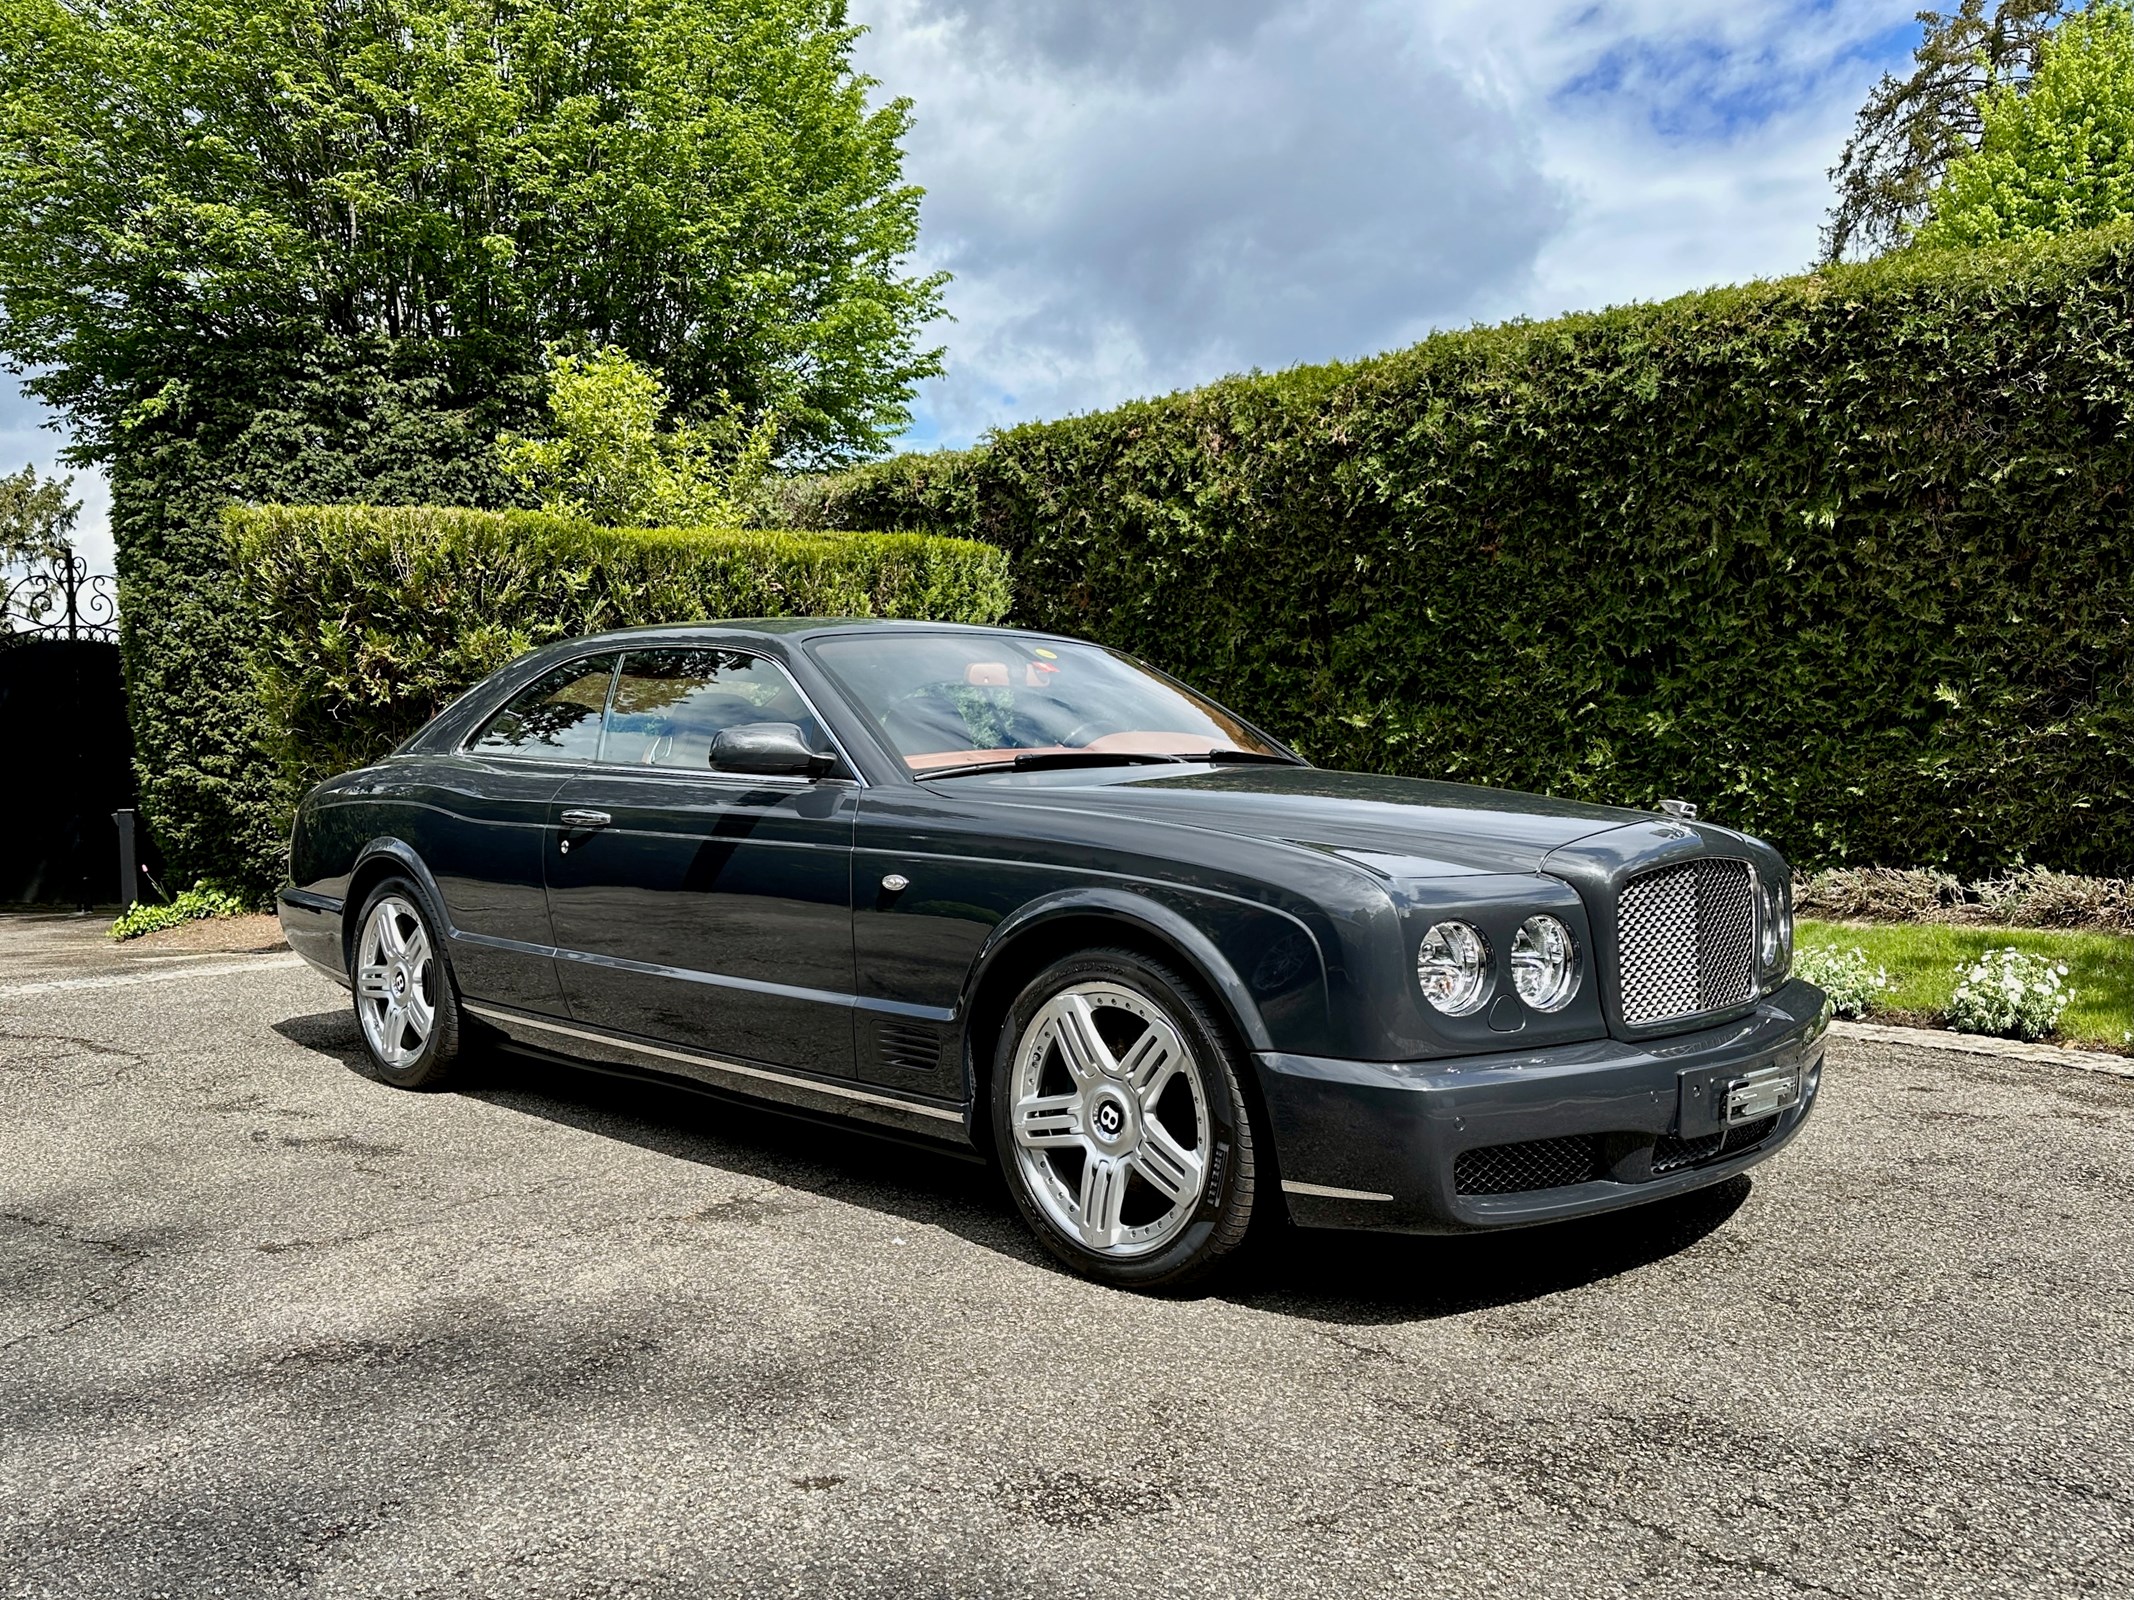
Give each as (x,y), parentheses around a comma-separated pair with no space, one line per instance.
(1257,959)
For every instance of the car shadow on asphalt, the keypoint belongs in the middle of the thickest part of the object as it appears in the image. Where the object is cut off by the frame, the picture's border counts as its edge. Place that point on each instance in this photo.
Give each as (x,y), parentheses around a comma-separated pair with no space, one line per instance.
(1347,1278)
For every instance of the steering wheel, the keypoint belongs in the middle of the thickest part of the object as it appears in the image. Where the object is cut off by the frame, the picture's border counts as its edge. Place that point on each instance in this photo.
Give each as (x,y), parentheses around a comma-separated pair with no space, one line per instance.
(1088,732)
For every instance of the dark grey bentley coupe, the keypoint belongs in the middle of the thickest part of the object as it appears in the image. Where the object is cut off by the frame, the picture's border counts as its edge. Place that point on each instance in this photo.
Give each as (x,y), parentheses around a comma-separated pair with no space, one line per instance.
(1024,895)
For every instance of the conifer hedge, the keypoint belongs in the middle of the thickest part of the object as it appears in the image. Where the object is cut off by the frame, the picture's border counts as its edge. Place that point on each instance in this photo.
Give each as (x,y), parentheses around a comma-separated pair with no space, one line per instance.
(365,620)
(1847,558)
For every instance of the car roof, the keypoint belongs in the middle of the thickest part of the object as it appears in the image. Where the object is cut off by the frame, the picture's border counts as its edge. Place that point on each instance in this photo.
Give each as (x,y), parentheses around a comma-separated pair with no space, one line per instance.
(794,630)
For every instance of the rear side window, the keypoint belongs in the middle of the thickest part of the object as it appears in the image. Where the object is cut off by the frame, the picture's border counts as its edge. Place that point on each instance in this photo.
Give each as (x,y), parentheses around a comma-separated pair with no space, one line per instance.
(554,718)
(671,703)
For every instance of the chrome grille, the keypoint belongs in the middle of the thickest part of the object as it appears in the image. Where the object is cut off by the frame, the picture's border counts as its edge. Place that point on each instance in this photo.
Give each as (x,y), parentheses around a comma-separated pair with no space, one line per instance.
(1686,940)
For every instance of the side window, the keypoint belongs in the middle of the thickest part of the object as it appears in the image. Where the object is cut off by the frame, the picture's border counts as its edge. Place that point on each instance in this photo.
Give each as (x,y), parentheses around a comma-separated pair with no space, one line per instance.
(554,718)
(670,704)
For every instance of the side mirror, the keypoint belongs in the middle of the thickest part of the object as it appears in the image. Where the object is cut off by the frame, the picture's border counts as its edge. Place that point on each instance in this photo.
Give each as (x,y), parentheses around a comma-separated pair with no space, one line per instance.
(767,750)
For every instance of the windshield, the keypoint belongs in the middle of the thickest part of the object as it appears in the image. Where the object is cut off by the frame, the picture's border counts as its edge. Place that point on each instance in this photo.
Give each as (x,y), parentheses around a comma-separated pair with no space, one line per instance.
(948,700)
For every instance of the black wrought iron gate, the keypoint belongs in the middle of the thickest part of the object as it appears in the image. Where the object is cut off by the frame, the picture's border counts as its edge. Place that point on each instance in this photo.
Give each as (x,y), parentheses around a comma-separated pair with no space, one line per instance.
(65,749)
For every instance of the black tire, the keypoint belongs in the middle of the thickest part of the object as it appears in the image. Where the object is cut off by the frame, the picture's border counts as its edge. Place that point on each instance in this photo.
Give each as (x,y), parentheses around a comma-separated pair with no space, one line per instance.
(434,1059)
(1189,1237)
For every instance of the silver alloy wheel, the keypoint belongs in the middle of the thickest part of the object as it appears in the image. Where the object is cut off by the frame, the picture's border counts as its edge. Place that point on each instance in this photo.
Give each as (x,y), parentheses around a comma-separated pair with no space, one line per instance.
(396,997)
(1110,1119)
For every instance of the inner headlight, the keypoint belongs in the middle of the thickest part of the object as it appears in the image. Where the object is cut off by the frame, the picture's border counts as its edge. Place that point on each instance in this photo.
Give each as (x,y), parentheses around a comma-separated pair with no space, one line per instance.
(1453,966)
(1775,946)
(1544,963)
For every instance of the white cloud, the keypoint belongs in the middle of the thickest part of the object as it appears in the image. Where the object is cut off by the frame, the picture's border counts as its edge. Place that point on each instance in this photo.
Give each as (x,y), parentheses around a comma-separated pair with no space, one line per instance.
(1134,199)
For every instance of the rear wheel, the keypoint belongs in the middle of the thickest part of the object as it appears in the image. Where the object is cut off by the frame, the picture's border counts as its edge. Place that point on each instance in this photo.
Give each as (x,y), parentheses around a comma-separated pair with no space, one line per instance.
(406,1005)
(1121,1122)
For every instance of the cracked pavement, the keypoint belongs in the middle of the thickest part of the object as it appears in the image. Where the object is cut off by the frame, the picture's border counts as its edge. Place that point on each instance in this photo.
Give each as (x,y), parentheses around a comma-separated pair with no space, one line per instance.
(267,1326)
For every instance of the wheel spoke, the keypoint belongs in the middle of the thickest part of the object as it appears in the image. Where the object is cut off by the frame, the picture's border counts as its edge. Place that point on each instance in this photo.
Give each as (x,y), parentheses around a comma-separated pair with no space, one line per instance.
(1081,1046)
(1149,1065)
(374,983)
(1101,1200)
(390,941)
(420,1014)
(1167,1166)
(1048,1120)
(417,949)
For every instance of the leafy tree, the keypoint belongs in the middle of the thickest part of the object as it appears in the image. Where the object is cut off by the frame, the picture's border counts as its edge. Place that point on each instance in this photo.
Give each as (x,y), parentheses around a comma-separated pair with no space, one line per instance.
(35,522)
(1913,127)
(36,519)
(314,250)
(698,182)
(2058,158)
(609,460)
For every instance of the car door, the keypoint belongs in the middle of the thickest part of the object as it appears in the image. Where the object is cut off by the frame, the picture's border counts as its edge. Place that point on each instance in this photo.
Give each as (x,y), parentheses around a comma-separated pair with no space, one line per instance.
(479,818)
(706,909)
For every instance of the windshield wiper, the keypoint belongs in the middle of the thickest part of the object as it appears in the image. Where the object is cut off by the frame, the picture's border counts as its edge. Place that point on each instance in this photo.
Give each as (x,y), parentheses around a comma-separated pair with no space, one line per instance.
(1234,757)
(1039,760)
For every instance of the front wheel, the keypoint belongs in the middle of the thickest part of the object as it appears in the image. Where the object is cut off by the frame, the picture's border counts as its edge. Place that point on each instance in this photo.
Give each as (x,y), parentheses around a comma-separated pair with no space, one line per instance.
(1121,1121)
(405,1002)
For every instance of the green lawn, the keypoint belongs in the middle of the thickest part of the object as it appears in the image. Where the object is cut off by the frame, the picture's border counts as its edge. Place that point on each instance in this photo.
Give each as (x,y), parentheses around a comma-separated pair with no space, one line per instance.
(1922,959)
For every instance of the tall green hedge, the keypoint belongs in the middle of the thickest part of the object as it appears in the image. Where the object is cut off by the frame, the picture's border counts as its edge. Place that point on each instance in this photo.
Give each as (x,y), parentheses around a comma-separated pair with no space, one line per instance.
(1848,558)
(335,420)
(367,619)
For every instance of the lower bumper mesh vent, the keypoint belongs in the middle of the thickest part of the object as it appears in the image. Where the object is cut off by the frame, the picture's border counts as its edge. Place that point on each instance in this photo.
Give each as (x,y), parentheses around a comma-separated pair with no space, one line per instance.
(1670,1154)
(1534,1164)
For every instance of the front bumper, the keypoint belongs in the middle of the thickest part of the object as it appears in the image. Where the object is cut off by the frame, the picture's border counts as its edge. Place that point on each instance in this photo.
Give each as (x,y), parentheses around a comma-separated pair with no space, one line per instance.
(1370,1144)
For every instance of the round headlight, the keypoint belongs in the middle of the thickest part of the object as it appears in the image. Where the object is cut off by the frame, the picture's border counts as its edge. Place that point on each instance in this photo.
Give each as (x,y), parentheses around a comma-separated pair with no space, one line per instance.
(1544,964)
(1453,966)
(1776,944)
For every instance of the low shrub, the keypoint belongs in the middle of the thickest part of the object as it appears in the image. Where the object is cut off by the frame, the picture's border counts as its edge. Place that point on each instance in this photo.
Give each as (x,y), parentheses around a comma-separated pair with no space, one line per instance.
(2036,897)
(1853,983)
(2010,992)
(370,618)
(2022,897)
(201,901)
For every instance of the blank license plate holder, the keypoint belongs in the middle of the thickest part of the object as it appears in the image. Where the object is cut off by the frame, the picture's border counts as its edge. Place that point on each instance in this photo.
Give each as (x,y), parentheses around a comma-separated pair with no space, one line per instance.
(1763,1093)
(1712,1099)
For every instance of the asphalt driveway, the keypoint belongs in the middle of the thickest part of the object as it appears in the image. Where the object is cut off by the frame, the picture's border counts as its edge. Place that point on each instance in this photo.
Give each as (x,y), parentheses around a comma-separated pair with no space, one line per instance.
(267,1326)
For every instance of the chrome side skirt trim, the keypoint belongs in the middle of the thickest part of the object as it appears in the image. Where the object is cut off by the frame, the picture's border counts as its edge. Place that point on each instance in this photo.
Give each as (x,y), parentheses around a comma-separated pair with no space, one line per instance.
(1325,1191)
(715,1064)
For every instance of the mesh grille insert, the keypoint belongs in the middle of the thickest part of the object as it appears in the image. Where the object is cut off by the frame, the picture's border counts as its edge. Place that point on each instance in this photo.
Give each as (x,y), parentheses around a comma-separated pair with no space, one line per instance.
(1534,1164)
(1686,940)
(1670,1154)
(1749,1133)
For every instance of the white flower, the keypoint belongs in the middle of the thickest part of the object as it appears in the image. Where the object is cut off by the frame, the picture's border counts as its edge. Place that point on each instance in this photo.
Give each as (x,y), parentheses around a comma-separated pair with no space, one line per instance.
(1853,986)
(2008,992)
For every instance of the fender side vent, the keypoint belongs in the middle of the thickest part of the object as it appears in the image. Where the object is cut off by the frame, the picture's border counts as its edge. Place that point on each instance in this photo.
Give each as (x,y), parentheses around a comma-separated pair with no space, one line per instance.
(910,1046)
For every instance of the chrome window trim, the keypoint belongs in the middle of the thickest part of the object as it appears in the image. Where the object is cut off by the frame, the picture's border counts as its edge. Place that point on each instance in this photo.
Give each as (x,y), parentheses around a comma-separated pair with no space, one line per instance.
(465,747)
(851,774)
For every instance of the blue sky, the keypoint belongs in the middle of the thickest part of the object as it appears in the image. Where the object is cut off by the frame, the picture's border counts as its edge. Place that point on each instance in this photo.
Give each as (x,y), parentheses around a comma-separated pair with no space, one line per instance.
(1135,198)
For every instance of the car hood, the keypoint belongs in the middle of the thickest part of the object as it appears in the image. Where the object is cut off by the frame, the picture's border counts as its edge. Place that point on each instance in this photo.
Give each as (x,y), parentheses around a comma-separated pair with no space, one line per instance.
(1403,827)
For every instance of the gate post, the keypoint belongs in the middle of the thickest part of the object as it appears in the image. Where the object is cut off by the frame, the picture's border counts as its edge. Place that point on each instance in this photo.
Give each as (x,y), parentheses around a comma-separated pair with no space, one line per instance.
(129,869)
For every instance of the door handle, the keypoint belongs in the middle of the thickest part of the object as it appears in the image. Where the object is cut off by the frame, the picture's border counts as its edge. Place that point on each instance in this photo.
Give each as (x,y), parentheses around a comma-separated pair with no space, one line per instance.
(586,819)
